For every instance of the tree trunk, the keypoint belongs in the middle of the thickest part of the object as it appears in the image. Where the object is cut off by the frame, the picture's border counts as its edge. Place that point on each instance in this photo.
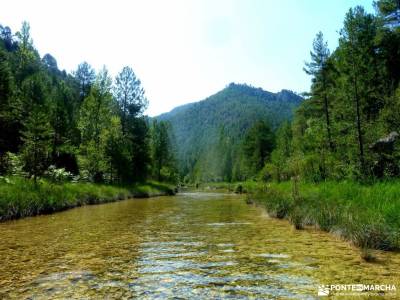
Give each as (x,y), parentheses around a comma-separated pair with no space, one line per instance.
(328,121)
(358,121)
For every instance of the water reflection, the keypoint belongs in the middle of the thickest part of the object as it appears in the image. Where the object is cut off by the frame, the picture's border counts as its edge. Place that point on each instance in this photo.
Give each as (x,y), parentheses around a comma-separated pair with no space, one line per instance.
(191,246)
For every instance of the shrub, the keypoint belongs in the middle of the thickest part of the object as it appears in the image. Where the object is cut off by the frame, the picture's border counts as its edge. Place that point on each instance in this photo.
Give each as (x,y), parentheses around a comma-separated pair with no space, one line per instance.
(58,175)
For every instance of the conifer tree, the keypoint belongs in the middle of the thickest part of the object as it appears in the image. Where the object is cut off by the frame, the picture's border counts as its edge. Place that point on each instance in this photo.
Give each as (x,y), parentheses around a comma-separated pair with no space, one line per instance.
(319,68)
(37,136)
(95,118)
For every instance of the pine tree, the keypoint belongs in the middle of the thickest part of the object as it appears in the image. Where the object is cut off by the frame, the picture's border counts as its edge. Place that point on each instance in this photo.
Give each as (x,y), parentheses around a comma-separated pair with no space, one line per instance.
(117,151)
(130,96)
(258,145)
(95,117)
(360,73)
(28,59)
(280,156)
(6,91)
(319,68)
(37,135)
(63,119)
(85,77)
(132,102)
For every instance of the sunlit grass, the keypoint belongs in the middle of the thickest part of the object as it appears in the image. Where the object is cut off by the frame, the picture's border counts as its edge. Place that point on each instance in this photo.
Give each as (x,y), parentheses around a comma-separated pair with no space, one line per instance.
(366,215)
(20,197)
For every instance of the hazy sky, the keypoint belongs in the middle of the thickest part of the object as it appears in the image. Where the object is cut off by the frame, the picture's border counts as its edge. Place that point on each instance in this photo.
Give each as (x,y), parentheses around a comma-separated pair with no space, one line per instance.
(184,51)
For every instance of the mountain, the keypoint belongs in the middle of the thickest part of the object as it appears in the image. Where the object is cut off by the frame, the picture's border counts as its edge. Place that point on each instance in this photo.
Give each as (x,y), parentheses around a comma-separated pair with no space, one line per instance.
(199,127)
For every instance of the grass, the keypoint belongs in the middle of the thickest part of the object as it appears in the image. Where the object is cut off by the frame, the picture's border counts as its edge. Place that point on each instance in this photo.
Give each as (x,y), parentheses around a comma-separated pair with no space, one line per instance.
(366,215)
(367,255)
(21,198)
(151,189)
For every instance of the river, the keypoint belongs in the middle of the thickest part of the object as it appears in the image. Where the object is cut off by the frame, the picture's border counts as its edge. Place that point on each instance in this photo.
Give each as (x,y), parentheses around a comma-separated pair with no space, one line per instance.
(191,246)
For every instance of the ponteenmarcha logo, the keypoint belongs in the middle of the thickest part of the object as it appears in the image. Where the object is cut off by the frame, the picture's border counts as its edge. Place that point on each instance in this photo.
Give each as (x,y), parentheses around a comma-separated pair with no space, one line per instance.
(323,290)
(343,289)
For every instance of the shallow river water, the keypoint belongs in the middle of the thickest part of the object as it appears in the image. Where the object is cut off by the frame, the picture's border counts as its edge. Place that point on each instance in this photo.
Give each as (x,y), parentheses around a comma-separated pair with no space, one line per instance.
(192,246)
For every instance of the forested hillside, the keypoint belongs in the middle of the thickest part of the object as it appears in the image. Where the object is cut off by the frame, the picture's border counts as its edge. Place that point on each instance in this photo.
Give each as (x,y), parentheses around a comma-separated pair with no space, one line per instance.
(83,126)
(210,134)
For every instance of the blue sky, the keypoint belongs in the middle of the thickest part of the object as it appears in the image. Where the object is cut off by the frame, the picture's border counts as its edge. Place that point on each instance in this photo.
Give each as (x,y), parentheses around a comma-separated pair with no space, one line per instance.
(185,50)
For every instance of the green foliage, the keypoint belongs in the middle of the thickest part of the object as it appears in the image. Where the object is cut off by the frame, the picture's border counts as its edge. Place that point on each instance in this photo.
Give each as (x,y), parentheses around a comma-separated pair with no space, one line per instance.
(82,122)
(279,168)
(7,124)
(37,136)
(21,198)
(85,76)
(116,151)
(64,109)
(257,146)
(385,6)
(130,96)
(131,103)
(12,165)
(369,221)
(57,175)
(321,69)
(162,152)
(95,117)
(139,143)
(346,128)
(209,133)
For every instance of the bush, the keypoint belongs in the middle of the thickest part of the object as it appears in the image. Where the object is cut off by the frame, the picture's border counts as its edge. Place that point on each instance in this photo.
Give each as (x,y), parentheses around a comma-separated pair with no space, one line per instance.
(239,189)
(12,165)
(267,173)
(58,175)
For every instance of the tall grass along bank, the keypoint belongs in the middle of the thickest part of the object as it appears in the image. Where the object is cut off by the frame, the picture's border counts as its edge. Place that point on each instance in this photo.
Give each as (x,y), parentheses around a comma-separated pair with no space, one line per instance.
(366,215)
(21,198)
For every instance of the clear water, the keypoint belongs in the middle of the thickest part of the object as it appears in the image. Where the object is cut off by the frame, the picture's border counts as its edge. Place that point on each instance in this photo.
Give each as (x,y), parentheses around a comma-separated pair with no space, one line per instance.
(192,246)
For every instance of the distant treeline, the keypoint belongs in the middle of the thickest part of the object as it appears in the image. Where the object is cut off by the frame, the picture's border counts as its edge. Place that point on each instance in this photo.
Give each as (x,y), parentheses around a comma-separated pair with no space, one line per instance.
(84,125)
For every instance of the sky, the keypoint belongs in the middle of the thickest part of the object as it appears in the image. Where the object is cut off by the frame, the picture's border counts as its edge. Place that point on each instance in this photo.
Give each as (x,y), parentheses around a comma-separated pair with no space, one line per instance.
(184,50)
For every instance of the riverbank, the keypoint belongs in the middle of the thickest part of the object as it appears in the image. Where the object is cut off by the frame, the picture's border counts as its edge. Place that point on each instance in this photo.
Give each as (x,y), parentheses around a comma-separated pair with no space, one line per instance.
(236,187)
(21,198)
(366,215)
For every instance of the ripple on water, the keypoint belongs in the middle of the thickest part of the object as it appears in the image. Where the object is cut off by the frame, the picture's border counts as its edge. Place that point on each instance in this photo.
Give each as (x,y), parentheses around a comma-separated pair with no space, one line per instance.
(228,223)
(273,255)
(175,247)
(235,286)
(72,276)
(176,255)
(204,195)
(163,249)
(225,245)
(170,243)
(171,266)
(226,250)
